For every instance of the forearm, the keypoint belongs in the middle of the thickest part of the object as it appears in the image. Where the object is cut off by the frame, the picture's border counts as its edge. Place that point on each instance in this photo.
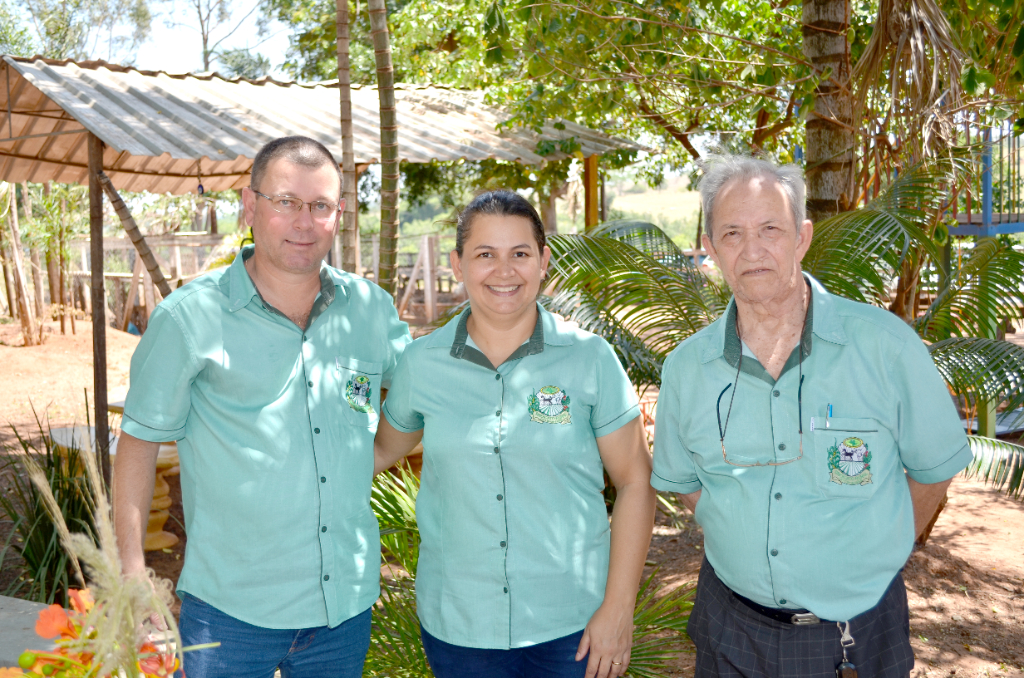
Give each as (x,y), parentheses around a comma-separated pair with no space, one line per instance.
(632,523)
(925,499)
(390,445)
(134,476)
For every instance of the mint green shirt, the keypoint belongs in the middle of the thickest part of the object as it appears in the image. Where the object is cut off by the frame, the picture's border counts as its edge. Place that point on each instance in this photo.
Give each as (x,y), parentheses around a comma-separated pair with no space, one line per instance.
(830,531)
(275,428)
(515,535)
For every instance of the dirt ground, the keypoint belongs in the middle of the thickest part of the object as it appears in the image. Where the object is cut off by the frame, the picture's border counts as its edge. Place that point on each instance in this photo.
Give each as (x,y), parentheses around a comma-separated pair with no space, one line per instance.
(966,586)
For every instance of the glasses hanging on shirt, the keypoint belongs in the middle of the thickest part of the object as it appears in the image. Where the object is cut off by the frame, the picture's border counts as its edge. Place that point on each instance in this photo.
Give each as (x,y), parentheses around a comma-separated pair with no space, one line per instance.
(799,405)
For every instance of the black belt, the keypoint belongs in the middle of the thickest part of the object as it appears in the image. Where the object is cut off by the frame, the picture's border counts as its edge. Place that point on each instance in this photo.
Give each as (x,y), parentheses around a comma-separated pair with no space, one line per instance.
(794,617)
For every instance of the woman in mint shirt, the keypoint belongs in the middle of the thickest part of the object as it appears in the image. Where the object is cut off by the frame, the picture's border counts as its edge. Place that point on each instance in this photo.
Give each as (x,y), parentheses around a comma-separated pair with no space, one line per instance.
(520,413)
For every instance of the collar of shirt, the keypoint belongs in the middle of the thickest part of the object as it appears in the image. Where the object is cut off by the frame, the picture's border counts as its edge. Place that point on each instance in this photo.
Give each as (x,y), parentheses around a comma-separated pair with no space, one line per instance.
(243,288)
(822,320)
(456,336)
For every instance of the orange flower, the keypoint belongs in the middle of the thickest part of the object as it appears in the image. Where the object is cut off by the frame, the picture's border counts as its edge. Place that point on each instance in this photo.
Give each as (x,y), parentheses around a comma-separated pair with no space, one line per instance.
(81,600)
(159,665)
(53,621)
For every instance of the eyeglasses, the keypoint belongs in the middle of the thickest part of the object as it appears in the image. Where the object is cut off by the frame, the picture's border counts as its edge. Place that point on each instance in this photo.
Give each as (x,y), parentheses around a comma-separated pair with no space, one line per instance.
(728,414)
(285,204)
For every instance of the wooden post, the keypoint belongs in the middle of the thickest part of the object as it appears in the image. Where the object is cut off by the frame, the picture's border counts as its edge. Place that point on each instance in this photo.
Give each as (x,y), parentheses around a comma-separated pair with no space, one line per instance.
(429,279)
(150,295)
(99,321)
(412,281)
(591,214)
(375,248)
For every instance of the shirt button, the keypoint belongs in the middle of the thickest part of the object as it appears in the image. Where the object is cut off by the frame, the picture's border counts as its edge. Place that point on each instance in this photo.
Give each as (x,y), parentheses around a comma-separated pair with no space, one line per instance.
(304,337)
(782,602)
(502,544)
(323,479)
(327,577)
(496,377)
(776,393)
(500,497)
(775,552)
(778,495)
(495,450)
(506,589)
(316,430)
(497,413)
(782,446)
(310,384)
(323,529)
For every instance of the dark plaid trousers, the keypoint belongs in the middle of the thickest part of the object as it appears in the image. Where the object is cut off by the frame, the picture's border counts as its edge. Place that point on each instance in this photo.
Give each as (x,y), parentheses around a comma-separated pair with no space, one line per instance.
(736,642)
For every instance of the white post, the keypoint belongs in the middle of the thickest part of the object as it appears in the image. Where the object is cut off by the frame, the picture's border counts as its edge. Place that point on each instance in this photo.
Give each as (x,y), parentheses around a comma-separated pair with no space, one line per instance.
(429,279)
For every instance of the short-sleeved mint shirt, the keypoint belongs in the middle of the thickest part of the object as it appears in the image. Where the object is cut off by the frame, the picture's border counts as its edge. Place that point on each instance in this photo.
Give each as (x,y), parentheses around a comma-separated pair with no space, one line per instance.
(515,535)
(830,531)
(275,429)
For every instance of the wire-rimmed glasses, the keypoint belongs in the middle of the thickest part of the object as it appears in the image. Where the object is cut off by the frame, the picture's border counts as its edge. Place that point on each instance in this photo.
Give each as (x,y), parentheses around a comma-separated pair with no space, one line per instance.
(286,204)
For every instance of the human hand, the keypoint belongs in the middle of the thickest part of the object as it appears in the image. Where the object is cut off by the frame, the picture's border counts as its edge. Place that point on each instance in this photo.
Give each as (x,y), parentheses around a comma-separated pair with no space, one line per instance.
(608,638)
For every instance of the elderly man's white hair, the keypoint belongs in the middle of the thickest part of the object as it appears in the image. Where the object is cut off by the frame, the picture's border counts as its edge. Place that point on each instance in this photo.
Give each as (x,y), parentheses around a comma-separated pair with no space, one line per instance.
(720,170)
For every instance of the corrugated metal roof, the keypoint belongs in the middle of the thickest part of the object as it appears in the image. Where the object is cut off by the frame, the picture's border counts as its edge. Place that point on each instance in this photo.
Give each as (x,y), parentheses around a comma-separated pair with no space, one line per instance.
(161,130)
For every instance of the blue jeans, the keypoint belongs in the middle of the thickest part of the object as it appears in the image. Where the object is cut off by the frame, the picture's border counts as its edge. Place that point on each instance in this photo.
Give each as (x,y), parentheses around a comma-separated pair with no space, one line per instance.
(253,652)
(553,659)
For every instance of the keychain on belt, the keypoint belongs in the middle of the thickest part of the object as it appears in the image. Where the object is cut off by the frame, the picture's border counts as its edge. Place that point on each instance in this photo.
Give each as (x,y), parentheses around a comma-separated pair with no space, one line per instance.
(845,668)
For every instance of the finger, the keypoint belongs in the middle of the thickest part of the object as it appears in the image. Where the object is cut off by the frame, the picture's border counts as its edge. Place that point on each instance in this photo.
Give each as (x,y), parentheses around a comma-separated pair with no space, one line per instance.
(584,647)
(593,666)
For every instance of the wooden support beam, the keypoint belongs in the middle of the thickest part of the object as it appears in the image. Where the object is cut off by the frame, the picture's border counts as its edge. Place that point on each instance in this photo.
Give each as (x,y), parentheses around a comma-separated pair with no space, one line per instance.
(591,211)
(133,292)
(412,281)
(99,321)
(132,229)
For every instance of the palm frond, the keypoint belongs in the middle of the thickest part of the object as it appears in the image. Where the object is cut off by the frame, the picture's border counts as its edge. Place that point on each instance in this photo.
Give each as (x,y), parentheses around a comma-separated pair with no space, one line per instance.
(857,254)
(983,290)
(396,650)
(980,369)
(393,498)
(659,627)
(998,463)
(642,306)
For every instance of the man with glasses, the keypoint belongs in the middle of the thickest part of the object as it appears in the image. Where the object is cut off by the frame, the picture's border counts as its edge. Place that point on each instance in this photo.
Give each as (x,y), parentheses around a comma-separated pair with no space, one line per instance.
(813,439)
(268,373)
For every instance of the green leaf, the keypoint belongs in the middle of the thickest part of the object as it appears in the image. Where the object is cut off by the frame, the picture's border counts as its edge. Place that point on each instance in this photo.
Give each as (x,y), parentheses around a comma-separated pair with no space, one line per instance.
(1018,44)
(999,463)
(494,22)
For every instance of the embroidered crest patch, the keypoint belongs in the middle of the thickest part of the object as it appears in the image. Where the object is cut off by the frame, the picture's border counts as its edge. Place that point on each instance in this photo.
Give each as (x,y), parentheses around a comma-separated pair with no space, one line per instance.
(358,392)
(550,405)
(849,462)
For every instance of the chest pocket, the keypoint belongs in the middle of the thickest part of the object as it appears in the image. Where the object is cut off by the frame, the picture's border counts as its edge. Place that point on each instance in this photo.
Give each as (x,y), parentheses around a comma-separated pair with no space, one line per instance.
(847,454)
(359,382)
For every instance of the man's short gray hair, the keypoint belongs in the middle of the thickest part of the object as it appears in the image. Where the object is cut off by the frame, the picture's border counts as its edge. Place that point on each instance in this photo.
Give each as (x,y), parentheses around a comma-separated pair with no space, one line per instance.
(720,170)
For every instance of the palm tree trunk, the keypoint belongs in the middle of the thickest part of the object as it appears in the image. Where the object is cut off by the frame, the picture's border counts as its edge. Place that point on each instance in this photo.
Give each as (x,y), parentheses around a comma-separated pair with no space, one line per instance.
(388,144)
(12,303)
(349,237)
(830,128)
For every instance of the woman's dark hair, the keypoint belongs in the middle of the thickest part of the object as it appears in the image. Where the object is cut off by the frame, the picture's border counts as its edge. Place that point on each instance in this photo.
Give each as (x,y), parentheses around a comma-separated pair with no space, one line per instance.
(500,203)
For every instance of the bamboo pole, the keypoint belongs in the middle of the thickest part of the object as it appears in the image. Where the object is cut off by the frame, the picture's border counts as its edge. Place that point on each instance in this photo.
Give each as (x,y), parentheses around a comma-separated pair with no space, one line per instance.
(135,235)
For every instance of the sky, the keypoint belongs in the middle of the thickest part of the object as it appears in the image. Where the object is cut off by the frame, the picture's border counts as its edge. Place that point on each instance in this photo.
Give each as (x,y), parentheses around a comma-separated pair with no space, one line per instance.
(179,49)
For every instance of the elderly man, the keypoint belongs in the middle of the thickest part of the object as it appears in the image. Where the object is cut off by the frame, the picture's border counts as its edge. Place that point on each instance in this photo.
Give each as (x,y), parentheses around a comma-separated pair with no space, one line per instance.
(813,439)
(269,374)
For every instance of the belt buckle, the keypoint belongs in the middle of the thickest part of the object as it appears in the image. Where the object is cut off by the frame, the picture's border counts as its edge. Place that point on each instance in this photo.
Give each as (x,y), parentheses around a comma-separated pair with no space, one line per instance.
(804,619)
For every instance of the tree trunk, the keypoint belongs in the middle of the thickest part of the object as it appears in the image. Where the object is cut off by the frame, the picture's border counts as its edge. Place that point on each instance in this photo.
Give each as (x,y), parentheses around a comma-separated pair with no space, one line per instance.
(829,155)
(349,238)
(388,144)
(35,265)
(28,326)
(213,218)
(12,297)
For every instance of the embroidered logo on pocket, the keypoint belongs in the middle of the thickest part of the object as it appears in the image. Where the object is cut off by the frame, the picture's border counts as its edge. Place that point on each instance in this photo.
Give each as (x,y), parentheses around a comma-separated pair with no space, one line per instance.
(550,405)
(849,462)
(358,392)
